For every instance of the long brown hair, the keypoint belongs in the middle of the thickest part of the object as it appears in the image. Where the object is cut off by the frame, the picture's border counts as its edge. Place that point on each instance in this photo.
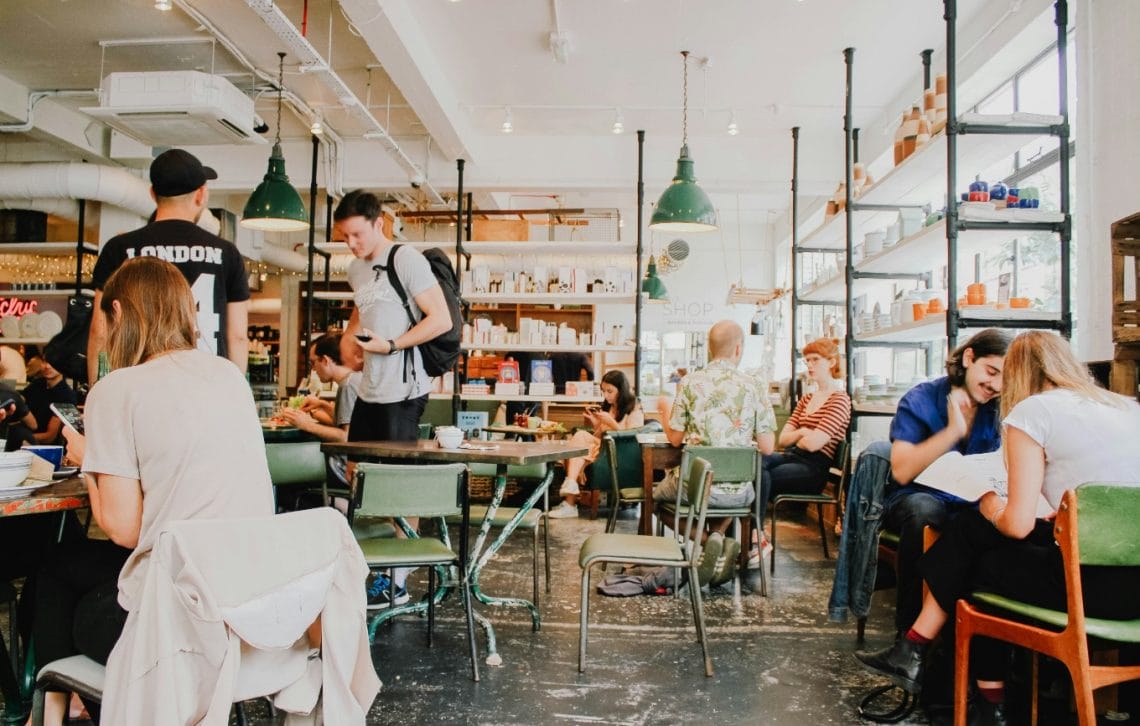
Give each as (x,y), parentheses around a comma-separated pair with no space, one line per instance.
(1037,359)
(156,312)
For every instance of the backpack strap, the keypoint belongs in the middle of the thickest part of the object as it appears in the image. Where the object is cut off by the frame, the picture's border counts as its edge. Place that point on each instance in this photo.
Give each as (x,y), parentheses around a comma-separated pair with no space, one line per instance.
(394,281)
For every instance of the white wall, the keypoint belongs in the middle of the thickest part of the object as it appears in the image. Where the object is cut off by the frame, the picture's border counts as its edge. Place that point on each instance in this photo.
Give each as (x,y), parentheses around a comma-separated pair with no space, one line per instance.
(1108,156)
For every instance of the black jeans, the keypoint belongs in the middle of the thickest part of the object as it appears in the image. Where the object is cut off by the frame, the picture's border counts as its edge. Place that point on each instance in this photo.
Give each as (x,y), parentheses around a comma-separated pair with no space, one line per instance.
(396,421)
(972,555)
(791,472)
(77,610)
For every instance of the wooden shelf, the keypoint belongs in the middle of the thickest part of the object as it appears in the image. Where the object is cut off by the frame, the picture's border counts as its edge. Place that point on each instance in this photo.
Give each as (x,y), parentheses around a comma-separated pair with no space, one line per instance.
(520,397)
(25,294)
(876,409)
(45,248)
(590,298)
(520,348)
(24,341)
(326,295)
(932,327)
(507,248)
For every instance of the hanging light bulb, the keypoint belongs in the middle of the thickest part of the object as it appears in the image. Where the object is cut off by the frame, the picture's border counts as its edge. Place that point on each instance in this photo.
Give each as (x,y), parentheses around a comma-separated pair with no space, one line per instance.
(619,123)
(275,206)
(508,125)
(684,206)
(733,129)
(163,5)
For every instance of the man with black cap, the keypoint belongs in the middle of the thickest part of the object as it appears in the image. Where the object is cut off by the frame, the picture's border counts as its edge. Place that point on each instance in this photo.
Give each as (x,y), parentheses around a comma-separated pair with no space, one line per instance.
(211,265)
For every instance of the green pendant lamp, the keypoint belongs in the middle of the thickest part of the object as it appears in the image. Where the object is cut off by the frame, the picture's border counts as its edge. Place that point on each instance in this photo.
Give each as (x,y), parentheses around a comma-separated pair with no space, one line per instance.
(684,206)
(652,285)
(275,206)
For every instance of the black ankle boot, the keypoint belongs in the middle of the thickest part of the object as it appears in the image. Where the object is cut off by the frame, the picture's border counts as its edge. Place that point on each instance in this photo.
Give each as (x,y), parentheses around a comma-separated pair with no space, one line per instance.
(984,713)
(903,663)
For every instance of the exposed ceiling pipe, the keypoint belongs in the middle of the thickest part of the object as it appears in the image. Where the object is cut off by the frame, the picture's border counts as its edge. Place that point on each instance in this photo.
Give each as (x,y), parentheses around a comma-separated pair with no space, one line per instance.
(312,62)
(33,100)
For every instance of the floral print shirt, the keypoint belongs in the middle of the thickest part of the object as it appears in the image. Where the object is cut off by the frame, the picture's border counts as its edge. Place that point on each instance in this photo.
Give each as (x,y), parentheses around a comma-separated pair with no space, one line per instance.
(719,405)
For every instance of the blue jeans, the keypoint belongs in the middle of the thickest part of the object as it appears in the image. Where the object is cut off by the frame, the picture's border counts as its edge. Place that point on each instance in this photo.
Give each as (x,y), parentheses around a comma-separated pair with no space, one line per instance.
(859,545)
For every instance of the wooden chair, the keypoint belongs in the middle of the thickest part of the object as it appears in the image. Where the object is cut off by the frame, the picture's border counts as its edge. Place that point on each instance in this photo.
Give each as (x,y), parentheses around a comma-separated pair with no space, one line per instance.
(654,551)
(837,477)
(1106,536)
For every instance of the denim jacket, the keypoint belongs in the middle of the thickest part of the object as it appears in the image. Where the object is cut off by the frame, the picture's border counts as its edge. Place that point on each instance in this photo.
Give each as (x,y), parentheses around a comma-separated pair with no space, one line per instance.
(858,546)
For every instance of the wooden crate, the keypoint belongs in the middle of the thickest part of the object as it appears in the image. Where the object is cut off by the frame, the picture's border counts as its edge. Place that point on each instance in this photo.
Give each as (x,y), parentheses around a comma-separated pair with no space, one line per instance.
(1125,268)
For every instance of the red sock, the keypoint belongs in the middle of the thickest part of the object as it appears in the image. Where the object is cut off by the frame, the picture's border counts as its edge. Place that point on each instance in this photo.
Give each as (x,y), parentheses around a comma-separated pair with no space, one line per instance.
(993,695)
(915,637)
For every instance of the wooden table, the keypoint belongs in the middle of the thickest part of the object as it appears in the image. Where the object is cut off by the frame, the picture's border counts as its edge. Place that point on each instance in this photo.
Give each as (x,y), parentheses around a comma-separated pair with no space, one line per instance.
(504,454)
(524,431)
(656,454)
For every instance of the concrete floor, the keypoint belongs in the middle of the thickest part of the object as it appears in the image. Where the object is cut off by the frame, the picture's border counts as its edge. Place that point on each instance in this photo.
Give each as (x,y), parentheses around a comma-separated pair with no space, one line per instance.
(777,659)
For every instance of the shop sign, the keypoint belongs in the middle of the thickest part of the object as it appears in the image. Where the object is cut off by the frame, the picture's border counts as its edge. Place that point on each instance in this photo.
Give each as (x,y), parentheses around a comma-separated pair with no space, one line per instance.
(17,307)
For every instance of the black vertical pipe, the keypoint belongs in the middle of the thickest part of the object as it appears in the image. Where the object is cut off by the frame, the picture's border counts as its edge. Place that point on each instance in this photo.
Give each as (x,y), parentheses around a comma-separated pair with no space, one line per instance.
(312,249)
(328,236)
(926,68)
(470,225)
(637,270)
(794,253)
(79,246)
(951,17)
(1062,20)
(455,386)
(848,268)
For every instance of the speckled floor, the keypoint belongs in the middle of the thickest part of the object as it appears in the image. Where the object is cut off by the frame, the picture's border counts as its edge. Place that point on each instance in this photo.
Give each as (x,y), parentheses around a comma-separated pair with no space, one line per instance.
(777,659)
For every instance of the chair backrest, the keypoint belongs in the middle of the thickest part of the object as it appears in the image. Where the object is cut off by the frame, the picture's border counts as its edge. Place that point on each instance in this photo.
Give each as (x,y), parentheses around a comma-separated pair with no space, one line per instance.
(623,467)
(840,466)
(299,462)
(1107,523)
(405,490)
(729,463)
(697,484)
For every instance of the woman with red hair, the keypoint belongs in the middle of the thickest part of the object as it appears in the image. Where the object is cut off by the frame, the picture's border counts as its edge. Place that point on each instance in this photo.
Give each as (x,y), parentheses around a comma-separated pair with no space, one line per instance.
(813,432)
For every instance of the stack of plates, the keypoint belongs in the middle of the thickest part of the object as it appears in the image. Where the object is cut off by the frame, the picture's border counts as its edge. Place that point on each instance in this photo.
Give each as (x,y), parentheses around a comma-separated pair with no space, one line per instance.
(14,467)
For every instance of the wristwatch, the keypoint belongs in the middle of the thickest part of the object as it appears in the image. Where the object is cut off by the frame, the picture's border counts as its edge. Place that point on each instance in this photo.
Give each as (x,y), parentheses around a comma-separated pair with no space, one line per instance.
(392,348)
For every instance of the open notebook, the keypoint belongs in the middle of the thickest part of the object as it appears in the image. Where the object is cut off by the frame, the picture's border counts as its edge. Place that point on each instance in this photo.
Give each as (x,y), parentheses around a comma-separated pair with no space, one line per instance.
(970,477)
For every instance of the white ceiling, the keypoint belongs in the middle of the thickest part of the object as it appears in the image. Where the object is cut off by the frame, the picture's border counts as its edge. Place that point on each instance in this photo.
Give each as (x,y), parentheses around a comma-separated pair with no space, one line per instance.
(443,73)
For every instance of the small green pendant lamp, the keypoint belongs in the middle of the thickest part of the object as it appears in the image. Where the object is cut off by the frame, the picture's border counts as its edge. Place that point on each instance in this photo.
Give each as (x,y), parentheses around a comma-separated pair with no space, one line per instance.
(652,285)
(684,206)
(275,206)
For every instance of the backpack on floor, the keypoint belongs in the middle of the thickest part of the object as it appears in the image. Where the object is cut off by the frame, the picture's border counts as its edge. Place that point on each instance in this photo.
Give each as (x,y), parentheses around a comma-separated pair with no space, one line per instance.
(439,354)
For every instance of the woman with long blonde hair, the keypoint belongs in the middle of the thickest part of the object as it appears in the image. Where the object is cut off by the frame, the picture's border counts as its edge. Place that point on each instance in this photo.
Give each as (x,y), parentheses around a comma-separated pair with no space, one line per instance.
(171,434)
(1060,430)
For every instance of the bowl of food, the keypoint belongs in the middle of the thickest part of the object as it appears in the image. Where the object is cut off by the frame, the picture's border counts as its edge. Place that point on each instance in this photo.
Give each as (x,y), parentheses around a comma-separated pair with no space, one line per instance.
(14,467)
(448,437)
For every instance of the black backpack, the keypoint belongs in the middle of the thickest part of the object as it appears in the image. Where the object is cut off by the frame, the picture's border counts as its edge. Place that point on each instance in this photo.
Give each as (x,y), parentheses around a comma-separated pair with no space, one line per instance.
(439,354)
(67,351)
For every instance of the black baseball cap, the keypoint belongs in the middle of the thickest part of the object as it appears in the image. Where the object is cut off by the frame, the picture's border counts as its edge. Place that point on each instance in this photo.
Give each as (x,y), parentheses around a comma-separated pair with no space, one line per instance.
(175,172)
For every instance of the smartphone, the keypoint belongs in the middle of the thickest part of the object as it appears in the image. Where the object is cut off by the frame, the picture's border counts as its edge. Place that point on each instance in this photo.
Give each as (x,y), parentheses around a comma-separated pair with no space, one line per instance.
(69,415)
(363,338)
(7,403)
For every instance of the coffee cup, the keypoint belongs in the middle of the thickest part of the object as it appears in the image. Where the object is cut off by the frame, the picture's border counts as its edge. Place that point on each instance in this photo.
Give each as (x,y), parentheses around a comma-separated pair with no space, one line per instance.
(53,454)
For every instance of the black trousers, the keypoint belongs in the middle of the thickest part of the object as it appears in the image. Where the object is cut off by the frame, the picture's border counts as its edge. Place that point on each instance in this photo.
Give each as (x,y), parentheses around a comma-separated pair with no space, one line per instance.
(77,610)
(972,555)
(791,472)
(396,421)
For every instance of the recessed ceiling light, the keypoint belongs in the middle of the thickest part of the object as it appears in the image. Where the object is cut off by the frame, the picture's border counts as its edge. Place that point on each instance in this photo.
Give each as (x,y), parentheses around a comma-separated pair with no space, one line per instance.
(619,123)
(733,129)
(508,125)
(163,5)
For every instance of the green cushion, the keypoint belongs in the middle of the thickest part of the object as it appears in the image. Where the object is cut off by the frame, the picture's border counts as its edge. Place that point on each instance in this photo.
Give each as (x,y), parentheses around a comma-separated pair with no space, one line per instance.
(1107,518)
(626,547)
(502,516)
(372,528)
(820,498)
(421,551)
(519,471)
(713,511)
(1125,631)
(631,494)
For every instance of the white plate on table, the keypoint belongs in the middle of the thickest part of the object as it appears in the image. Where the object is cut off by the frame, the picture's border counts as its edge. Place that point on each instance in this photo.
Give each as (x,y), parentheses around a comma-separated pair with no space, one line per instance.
(64,472)
(22,490)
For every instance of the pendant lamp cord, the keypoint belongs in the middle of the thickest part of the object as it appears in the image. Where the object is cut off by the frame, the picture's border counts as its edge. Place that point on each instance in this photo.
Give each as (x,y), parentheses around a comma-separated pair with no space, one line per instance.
(280,87)
(685,98)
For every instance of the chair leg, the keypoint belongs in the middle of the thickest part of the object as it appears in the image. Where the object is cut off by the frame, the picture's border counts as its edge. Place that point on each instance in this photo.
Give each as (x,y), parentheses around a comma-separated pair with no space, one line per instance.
(1082,693)
(860,630)
(466,586)
(239,711)
(822,529)
(534,565)
(962,627)
(699,617)
(611,518)
(1033,690)
(546,550)
(583,619)
(772,514)
(431,604)
(736,567)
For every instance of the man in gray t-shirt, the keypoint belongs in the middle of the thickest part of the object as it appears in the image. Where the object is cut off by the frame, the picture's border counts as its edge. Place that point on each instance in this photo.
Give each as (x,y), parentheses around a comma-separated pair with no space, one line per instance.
(394,387)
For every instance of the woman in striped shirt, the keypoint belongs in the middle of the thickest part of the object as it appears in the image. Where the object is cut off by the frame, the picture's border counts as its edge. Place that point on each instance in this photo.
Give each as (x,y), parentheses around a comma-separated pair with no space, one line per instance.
(812,433)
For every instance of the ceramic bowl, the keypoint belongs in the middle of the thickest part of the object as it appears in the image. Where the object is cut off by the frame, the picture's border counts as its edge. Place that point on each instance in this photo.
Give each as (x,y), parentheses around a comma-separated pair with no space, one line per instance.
(14,467)
(449,439)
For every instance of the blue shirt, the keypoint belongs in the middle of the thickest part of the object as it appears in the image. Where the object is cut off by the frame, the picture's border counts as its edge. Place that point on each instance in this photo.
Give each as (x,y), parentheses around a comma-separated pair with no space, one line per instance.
(922,413)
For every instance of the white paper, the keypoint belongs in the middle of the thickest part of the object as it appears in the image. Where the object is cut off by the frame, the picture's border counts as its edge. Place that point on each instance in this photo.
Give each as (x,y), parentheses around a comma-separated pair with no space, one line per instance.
(972,477)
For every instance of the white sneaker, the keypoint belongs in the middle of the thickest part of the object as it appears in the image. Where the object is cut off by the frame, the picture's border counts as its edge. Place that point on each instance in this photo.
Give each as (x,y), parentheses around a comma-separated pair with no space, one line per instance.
(565,510)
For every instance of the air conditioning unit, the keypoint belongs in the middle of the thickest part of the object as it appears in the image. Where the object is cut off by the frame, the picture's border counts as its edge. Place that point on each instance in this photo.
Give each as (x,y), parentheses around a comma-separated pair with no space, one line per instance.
(176,108)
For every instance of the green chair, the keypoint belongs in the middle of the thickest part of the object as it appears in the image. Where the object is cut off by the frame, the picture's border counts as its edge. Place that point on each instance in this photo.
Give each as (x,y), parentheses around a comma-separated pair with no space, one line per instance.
(402,490)
(654,551)
(618,463)
(837,478)
(1095,526)
(530,521)
(729,464)
(298,465)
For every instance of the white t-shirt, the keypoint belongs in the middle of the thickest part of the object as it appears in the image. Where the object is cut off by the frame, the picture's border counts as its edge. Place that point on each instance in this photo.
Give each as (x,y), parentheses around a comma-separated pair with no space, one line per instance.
(185,425)
(1084,440)
(381,311)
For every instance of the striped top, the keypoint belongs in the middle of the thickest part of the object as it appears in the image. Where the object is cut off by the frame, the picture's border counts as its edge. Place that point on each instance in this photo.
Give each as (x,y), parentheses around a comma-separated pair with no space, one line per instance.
(831,418)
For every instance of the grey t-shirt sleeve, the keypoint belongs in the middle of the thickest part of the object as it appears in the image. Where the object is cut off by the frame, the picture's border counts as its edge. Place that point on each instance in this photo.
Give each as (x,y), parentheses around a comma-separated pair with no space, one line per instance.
(107,422)
(414,272)
(346,395)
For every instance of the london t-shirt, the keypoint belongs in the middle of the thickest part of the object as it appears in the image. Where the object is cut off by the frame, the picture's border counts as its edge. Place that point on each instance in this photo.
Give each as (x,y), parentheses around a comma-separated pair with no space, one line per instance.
(211,265)
(383,378)
(185,426)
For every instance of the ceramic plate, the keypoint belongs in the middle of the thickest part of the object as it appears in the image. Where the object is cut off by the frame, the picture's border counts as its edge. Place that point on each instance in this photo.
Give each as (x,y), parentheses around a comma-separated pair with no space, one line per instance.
(50,324)
(65,472)
(22,490)
(10,326)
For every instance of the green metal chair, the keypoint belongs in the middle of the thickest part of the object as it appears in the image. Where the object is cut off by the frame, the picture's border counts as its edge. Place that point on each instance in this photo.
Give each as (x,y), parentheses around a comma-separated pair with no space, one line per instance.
(729,464)
(298,465)
(530,521)
(654,551)
(402,490)
(618,463)
(1096,526)
(836,478)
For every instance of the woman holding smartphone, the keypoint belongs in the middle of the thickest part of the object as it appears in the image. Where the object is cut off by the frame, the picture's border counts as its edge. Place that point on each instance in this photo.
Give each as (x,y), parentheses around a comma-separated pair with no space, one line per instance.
(171,434)
(619,410)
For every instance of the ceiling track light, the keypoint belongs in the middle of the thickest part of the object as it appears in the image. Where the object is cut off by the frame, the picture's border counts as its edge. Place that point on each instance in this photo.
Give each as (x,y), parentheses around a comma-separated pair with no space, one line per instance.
(508,123)
(163,5)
